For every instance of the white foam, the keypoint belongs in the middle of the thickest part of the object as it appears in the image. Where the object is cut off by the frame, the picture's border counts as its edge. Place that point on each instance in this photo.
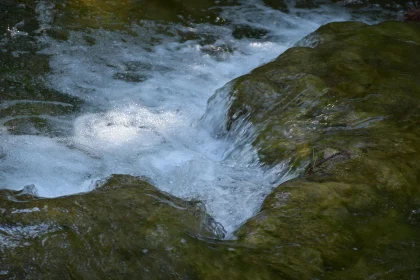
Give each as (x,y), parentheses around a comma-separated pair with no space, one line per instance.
(150,127)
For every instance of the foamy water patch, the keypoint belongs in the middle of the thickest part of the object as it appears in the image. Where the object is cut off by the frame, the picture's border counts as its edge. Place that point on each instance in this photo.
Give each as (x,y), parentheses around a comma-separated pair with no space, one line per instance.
(53,167)
(122,127)
(145,96)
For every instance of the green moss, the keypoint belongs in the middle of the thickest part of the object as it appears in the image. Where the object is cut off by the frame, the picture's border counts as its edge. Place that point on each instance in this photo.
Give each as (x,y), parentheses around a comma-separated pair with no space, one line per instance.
(126,228)
(357,76)
(120,15)
(347,110)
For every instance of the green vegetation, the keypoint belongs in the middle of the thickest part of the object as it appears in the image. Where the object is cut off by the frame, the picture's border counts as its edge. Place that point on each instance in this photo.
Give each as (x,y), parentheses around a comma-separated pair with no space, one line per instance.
(347,111)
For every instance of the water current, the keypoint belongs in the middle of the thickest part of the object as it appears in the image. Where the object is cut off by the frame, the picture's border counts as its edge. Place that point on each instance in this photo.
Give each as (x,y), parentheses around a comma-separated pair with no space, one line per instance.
(145,97)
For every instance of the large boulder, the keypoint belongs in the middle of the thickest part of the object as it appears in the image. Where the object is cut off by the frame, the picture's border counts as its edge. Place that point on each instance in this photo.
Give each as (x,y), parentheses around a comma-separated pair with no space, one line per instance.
(345,113)
(123,228)
(357,78)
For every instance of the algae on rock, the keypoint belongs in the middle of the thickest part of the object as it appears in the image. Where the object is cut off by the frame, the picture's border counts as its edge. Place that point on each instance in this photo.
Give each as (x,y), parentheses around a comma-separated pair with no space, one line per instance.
(346,110)
(120,15)
(27,104)
(124,227)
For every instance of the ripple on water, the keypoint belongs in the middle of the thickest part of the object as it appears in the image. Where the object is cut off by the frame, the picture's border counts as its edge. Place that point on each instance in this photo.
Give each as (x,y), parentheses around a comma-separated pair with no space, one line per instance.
(145,96)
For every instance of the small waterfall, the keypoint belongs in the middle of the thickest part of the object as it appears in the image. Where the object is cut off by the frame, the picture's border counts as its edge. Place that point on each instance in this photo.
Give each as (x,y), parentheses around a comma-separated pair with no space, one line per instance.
(140,98)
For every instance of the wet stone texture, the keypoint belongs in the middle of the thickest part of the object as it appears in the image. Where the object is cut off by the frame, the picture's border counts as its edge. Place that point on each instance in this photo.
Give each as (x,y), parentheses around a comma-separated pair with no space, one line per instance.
(27,105)
(77,14)
(124,227)
(346,112)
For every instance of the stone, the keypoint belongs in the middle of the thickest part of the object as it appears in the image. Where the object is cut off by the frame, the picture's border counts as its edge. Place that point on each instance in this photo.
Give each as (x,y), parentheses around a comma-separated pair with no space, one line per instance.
(123,227)
(344,112)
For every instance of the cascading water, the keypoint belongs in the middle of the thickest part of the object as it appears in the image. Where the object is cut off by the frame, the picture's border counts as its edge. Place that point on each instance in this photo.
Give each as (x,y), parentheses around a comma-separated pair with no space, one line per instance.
(144,100)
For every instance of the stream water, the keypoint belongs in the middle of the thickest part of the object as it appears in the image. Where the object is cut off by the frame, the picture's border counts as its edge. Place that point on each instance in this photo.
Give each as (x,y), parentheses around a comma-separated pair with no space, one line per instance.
(144,96)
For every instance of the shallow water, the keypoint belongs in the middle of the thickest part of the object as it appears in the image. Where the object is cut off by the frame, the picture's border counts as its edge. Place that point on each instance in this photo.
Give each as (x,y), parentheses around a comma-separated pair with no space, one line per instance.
(145,92)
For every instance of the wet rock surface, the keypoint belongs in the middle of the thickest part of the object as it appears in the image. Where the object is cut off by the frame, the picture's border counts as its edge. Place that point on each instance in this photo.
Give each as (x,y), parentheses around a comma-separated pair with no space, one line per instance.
(28,106)
(342,107)
(106,14)
(346,111)
(125,227)
(357,78)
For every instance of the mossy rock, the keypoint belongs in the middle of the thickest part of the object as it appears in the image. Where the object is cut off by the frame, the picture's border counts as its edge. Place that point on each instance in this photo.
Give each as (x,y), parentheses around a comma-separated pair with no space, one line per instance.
(345,114)
(120,15)
(394,5)
(36,109)
(127,229)
(358,78)
(355,231)
(123,227)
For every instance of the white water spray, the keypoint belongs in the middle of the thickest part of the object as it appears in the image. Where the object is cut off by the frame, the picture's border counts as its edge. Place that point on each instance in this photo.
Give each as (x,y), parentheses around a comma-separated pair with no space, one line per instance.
(144,102)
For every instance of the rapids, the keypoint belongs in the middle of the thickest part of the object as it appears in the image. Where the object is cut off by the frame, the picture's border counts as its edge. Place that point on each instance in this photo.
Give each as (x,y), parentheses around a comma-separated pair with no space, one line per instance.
(145,93)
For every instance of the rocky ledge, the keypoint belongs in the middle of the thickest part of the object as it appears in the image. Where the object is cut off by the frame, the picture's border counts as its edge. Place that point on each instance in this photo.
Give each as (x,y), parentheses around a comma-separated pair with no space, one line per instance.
(343,107)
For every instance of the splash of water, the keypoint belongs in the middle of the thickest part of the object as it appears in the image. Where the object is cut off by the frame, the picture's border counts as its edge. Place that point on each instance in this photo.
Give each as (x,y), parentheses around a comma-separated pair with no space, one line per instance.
(145,97)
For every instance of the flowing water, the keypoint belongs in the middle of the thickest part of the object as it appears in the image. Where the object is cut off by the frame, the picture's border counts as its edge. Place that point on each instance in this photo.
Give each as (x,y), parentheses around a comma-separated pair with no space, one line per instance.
(144,93)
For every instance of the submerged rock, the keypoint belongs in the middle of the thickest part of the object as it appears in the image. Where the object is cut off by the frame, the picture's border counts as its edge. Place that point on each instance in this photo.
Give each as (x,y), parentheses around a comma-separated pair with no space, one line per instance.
(277,5)
(246,31)
(346,113)
(27,104)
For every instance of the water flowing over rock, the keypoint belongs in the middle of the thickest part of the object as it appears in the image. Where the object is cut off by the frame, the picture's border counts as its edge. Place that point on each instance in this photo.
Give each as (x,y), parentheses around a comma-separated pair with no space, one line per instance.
(350,106)
(123,229)
(347,111)
(28,106)
(90,88)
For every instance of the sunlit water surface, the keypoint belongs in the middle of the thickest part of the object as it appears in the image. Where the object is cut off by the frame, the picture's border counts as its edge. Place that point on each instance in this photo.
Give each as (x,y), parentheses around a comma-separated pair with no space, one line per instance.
(145,98)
